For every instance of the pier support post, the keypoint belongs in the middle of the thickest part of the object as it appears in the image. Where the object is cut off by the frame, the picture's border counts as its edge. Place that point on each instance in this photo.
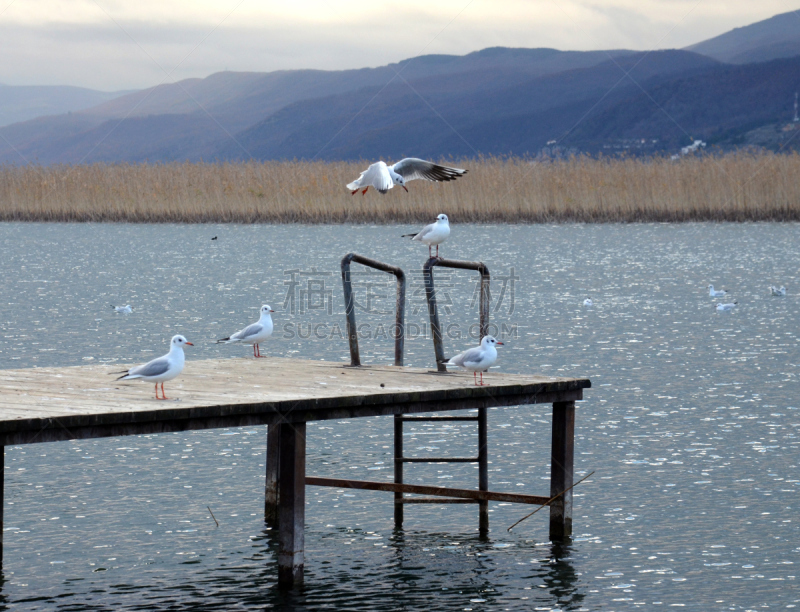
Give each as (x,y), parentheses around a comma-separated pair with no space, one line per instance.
(271,486)
(291,504)
(561,464)
(483,471)
(398,469)
(2,497)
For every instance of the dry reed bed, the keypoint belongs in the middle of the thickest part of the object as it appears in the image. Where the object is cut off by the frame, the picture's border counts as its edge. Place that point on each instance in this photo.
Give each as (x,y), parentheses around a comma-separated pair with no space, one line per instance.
(740,187)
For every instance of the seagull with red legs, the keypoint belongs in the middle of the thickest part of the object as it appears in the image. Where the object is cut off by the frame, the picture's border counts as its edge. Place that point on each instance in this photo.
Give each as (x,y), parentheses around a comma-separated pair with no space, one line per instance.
(383,177)
(163,368)
(254,334)
(478,359)
(433,234)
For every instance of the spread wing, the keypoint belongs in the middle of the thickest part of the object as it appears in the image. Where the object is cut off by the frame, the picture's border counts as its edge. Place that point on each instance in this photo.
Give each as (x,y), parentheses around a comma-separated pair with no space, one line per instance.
(248,332)
(157,367)
(412,168)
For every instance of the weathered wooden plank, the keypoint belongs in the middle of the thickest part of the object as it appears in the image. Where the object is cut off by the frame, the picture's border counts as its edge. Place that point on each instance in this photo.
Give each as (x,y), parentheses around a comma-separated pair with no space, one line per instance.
(471,494)
(271,483)
(291,504)
(44,404)
(561,469)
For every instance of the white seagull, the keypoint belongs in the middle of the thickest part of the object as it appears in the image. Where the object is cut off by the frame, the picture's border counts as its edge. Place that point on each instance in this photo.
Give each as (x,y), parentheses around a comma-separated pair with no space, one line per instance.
(724,307)
(478,359)
(588,302)
(255,333)
(383,177)
(714,293)
(433,234)
(778,292)
(123,309)
(162,369)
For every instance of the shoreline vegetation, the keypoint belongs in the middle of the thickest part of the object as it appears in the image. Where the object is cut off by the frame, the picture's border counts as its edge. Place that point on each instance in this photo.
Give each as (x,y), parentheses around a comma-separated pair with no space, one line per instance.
(737,187)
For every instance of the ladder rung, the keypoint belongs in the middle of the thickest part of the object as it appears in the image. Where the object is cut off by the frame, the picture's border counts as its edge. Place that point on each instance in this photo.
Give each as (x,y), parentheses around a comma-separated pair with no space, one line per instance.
(435,500)
(437,459)
(440,418)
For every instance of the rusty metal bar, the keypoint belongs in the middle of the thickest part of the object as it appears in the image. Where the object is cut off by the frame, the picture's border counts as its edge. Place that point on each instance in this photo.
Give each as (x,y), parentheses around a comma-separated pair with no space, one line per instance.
(398,469)
(438,460)
(425,490)
(430,295)
(483,470)
(439,500)
(349,306)
(438,418)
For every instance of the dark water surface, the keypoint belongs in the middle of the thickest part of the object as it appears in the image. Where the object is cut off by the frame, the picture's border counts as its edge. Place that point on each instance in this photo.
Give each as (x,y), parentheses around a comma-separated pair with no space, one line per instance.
(692,423)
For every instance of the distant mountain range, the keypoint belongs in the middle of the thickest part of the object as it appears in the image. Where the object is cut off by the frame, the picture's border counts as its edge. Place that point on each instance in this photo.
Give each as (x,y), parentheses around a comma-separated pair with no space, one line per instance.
(732,90)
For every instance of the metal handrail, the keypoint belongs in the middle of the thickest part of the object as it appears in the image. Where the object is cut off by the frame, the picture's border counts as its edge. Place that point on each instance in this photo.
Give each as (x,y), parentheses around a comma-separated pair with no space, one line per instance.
(349,306)
(430,295)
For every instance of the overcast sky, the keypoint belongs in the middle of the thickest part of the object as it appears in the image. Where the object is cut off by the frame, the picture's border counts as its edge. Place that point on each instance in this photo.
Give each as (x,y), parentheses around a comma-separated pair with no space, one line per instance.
(131,44)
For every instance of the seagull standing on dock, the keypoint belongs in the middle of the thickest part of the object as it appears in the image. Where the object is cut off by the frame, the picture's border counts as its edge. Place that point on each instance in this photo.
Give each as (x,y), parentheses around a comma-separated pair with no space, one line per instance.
(478,359)
(162,369)
(726,307)
(123,309)
(255,333)
(383,177)
(714,293)
(433,234)
(778,292)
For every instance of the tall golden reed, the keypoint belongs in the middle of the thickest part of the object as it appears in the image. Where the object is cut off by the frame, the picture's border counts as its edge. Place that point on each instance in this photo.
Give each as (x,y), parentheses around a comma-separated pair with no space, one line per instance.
(737,187)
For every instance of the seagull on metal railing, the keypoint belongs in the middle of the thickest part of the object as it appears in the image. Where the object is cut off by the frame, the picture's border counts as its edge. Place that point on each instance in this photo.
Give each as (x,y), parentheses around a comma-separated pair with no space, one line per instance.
(433,234)
(383,177)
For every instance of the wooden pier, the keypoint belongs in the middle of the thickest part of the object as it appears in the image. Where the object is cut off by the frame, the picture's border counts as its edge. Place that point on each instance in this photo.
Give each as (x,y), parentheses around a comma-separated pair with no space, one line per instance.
(54,404)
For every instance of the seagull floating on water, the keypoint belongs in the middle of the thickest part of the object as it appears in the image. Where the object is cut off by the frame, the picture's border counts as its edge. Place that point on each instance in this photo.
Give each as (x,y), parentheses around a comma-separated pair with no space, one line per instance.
(478,359)
(123,309)
(723,307)
(714,293)
(383,177)
(778,292)
(255,333)
(588,302)
(163,368)
(433,234)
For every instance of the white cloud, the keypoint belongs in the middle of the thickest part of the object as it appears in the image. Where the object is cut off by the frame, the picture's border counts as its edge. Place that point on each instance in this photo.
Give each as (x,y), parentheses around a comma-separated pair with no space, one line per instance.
(120,44)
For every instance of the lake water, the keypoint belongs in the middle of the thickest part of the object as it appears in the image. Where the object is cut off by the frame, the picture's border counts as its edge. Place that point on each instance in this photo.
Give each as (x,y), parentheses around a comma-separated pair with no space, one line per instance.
(692,423)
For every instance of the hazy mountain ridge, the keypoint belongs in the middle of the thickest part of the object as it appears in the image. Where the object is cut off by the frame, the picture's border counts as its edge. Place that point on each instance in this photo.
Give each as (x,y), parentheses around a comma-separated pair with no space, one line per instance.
(21,103)
(494,101)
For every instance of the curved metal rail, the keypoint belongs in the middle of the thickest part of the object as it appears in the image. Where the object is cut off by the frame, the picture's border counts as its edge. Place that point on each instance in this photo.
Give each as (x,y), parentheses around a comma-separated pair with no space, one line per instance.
(349,306)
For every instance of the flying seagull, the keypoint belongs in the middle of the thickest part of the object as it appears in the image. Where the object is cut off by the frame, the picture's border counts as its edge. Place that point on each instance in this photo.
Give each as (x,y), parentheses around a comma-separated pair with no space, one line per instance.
(383,177)
(433,234)
(162,369)
(778,292)
(255,333)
